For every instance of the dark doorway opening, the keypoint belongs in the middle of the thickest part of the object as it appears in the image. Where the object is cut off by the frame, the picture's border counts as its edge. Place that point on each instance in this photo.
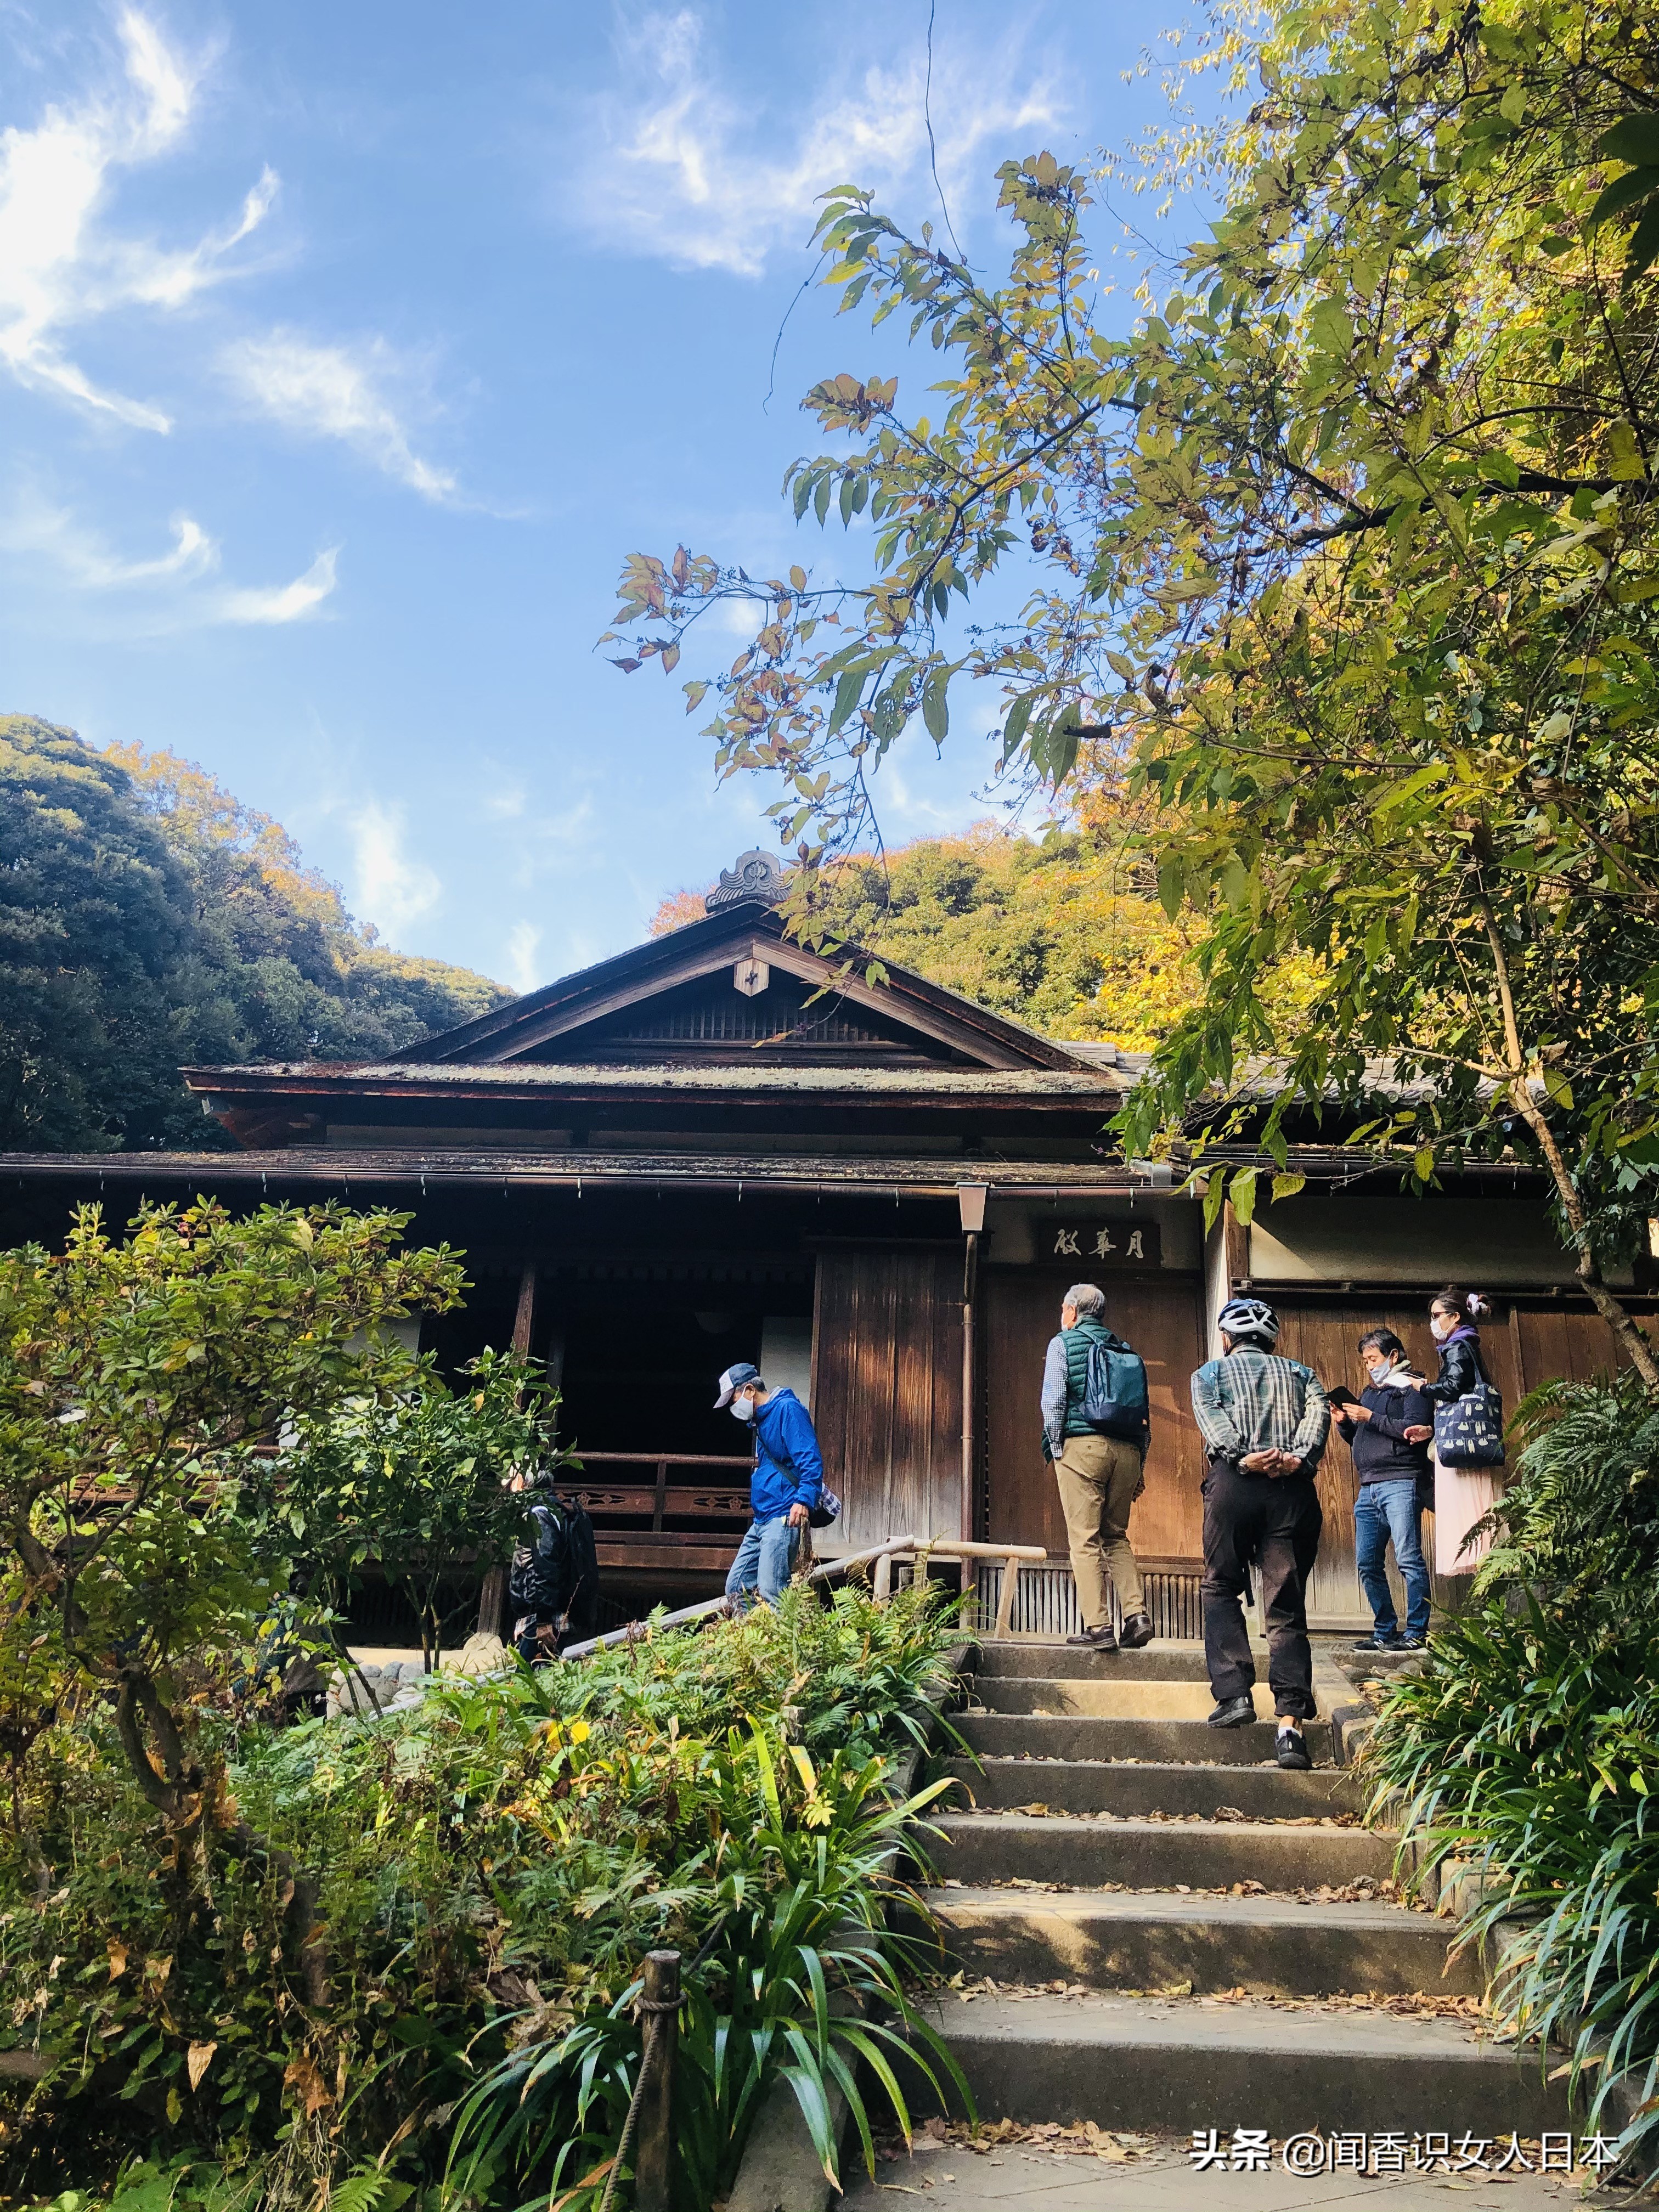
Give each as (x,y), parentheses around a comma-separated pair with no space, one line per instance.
(639,1362)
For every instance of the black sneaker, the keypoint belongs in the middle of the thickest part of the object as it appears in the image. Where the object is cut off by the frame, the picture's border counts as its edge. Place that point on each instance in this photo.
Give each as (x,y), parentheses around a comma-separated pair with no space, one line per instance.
(1394,1642)
(1096,1639)
(1409,1644)
(1290,1751)
(1137,1630)
(1233,1712)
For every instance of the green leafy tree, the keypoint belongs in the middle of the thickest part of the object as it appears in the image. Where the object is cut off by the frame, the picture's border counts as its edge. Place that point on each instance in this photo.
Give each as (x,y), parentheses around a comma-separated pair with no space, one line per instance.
(1347,554)
(91,924)
(417,1483)
(149,920)
(137,1378)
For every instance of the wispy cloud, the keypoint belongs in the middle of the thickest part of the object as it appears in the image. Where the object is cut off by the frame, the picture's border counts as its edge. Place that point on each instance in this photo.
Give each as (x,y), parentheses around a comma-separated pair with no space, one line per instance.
(179,589)
(523,942)
(677,168)
(391,888)
(284,602)
(340,392)
(58,268)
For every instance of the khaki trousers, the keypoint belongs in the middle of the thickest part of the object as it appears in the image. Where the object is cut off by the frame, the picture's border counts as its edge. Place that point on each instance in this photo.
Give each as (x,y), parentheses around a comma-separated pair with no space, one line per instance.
(1098,1478)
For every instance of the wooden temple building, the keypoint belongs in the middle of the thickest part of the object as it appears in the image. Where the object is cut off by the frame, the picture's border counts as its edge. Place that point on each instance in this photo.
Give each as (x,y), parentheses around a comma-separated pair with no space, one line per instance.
(719,1147)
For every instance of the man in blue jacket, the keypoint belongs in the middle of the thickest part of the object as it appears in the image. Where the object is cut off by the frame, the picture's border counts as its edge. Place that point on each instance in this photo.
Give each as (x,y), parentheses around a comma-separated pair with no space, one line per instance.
(785,1486)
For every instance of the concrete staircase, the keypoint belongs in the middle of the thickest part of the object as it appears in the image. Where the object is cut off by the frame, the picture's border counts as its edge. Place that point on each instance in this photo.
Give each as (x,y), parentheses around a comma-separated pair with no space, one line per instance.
(1175,1927)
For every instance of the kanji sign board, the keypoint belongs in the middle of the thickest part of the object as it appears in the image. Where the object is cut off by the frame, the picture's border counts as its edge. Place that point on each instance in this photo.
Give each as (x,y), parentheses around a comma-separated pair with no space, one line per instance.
(1102,1244)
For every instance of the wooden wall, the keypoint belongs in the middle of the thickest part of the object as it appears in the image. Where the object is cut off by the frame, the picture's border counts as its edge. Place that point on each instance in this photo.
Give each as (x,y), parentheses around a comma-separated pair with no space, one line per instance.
(1161,1316)
(887,1388)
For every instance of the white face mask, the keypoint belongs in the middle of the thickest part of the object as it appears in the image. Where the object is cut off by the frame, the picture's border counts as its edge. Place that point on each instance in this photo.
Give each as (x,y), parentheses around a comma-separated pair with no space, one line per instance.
(1378,1374)
(743,1409)
(1440,1326)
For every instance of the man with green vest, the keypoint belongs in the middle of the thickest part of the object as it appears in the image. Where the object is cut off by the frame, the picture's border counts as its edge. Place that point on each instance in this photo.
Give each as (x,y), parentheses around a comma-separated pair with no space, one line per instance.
(1095,1431)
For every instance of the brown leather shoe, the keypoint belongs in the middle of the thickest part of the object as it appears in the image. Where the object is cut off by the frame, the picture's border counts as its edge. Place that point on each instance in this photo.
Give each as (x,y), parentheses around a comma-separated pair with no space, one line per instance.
(1096,1639)
(1136,1631)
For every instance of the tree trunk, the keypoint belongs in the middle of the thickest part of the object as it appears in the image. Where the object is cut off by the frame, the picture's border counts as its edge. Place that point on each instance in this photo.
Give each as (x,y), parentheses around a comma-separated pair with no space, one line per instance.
(1633,1340)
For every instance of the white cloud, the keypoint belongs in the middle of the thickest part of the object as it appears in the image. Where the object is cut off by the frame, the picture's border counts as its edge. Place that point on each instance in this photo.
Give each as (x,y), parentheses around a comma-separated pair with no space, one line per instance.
(335,392)
(523,941)
(284,602)
(176,590)
(391,888)
(58,268)
(679,170)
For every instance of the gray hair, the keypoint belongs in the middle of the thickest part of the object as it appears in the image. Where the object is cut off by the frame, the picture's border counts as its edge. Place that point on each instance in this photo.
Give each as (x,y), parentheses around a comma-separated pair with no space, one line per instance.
(1086,1298)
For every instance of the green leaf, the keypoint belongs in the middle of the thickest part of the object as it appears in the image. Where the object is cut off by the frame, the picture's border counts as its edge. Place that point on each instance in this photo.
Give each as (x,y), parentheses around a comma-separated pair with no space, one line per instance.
(1014,729)
(1242,1192)
(1623,192)
(935,710)
(1635,139)
(847,688)
(1288,1184)
(1628,465)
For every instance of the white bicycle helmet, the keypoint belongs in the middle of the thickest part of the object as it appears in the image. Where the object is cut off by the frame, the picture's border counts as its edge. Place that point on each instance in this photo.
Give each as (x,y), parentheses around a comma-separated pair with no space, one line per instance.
(1248,1317)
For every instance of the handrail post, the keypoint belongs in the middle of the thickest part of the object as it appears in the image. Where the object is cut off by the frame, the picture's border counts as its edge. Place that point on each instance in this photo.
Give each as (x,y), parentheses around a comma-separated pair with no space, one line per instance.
(1005,1597)
(654,2138)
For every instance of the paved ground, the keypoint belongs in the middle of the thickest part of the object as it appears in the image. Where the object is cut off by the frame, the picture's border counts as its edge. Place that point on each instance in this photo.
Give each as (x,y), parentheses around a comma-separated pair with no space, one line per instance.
(1025,2179)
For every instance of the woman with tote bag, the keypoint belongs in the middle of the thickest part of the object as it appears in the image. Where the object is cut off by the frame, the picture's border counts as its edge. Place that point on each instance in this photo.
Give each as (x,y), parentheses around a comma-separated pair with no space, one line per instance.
(1468,1432)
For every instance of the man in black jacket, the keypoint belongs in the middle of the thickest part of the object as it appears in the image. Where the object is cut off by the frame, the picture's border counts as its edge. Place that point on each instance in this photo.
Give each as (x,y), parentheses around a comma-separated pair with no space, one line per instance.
(1389,1428)
(554,1581)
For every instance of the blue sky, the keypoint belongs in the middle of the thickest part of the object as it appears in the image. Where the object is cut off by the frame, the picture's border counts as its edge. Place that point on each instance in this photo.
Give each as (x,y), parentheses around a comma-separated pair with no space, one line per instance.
(347,346)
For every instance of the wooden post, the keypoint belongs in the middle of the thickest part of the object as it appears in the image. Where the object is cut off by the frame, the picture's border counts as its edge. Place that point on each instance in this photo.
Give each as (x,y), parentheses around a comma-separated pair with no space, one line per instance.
(492,1598)
(653,2139)
(1006,1606)
(969,1456)
(1237,1250)
(524,1321)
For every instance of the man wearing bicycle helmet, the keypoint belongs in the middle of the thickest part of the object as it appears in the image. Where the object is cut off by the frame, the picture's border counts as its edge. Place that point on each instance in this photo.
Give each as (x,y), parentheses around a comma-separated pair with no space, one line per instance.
(1264,1420)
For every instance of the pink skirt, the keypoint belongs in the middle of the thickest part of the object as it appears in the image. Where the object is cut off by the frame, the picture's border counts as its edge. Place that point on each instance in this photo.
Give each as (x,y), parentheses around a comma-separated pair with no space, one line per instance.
(1462,1496)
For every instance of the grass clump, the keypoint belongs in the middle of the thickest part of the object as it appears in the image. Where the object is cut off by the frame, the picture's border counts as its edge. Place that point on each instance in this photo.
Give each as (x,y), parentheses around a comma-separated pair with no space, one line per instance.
(1529,1746)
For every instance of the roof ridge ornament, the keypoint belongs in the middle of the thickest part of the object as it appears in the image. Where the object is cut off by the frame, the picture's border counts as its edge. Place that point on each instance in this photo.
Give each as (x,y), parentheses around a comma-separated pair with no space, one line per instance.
(753,875)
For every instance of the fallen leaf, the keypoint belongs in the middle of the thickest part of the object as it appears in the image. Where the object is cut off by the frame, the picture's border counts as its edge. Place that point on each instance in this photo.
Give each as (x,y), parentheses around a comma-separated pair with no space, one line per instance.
(197,2059)
(117,1957)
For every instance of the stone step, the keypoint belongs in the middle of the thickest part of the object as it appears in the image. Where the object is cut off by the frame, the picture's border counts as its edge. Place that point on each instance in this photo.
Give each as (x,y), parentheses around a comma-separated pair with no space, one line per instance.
(1106,1699)
(1067,1736)
(1160,1661)
(1087,1785)
(1185,2066)
(982,1847)
(1270,1946)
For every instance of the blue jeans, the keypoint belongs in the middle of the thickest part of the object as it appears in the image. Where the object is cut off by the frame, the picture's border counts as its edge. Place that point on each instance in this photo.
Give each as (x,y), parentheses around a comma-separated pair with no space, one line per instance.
(1384,1510)
(765,1560)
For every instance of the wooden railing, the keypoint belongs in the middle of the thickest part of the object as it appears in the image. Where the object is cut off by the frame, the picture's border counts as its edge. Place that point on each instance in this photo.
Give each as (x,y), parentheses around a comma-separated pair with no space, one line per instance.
(879,1560)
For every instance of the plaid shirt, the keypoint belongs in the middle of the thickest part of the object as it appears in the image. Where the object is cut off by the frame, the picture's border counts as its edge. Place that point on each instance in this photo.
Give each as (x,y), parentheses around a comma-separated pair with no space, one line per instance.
(1253,1401)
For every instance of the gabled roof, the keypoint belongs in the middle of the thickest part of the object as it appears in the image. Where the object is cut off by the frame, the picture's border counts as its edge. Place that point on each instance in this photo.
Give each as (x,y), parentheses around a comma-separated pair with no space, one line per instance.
(677,999)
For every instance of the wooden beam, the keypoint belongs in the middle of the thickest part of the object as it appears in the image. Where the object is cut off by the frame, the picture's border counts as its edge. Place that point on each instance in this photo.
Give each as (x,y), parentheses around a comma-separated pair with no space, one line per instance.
(493,1597)
(1236,1245)
(524,1321)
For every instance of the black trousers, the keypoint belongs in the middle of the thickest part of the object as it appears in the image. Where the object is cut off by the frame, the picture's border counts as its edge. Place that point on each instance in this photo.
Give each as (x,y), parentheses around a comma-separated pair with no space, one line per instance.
(1271,1524)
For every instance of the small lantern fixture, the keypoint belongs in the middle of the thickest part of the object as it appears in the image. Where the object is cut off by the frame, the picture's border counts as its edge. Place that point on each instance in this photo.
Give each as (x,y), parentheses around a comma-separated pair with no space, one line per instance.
(971,1197)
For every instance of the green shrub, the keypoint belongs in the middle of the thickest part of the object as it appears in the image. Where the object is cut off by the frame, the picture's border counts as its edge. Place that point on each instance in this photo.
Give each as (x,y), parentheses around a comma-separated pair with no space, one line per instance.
(1529,1744)
(490,1868)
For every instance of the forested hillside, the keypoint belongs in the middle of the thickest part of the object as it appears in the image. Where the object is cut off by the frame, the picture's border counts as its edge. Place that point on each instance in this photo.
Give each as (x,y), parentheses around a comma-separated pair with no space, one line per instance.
(148,920)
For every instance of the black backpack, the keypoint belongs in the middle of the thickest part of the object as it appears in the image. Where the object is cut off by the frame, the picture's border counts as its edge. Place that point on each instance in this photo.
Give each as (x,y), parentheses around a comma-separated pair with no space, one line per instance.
(555,1576)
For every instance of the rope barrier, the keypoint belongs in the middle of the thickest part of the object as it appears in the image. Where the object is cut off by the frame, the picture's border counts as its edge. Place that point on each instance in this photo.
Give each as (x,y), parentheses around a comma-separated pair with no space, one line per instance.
(653,2008)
